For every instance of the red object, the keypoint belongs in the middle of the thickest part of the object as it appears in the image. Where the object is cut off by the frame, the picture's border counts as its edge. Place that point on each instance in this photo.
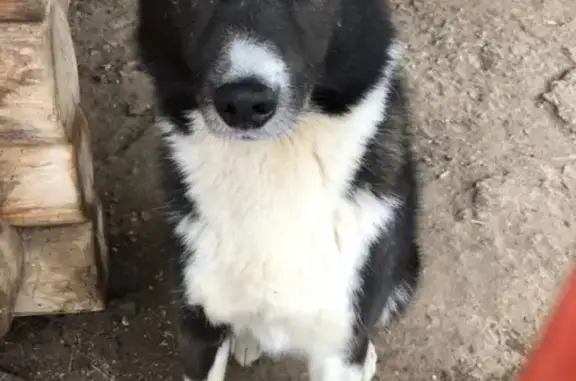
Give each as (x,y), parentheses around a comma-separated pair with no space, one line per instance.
(554,358)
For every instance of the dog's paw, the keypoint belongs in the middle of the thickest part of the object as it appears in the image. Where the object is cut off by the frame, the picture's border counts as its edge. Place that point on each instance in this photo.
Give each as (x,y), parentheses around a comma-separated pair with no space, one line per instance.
(369,370)
(246,350)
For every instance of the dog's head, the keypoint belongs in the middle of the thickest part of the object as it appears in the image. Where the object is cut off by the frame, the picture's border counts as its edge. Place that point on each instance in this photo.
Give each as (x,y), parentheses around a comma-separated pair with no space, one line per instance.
(245,67)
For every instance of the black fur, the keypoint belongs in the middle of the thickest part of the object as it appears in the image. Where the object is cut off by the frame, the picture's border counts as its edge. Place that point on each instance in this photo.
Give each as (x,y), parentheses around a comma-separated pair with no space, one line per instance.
(388,168)
(198,354)
(337,51)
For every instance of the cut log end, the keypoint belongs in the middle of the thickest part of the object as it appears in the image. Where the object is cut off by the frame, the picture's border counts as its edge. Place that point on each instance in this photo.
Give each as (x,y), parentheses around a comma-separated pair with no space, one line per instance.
(65,268)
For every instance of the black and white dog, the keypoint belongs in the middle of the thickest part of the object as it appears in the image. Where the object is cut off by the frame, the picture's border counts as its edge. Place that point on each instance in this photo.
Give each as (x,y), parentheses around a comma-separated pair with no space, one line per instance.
(289,176)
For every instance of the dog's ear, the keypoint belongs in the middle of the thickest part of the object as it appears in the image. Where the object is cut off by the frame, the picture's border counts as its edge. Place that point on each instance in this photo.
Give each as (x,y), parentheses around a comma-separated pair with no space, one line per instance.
(357,54)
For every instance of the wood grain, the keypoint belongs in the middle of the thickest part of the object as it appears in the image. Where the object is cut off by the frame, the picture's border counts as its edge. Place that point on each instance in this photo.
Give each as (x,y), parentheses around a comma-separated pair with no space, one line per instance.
(23,10)
(67,88)
(11,260)
(39,88)
(65,270)
(82,143)
(38,185)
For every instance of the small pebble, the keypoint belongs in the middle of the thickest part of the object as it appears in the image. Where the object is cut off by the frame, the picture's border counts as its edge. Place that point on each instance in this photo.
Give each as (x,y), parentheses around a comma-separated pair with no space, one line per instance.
(145,216)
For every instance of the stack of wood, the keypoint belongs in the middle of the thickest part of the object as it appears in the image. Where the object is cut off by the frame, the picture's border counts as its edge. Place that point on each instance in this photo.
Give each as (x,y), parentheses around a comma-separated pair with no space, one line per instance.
(52,246)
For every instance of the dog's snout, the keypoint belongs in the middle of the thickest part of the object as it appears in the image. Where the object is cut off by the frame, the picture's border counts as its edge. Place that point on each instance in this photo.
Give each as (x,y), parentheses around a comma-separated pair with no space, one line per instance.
(245,105)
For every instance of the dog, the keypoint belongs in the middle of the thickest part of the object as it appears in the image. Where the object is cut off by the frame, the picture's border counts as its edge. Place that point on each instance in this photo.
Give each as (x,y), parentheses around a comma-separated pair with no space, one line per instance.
(285,152)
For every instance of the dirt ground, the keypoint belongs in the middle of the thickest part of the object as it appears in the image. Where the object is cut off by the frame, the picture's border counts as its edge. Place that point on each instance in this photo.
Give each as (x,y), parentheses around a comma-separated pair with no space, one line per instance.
(494,97)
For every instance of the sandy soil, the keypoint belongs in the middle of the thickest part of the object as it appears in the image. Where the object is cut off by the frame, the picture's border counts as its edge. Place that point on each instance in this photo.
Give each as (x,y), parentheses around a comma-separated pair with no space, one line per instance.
(494,96)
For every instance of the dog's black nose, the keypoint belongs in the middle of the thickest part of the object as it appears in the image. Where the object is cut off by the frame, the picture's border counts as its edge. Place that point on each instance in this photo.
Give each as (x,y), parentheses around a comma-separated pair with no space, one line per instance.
(245,105)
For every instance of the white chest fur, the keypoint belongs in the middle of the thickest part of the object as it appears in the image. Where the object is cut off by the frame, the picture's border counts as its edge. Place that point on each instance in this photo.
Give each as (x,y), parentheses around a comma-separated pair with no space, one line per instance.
(278,245)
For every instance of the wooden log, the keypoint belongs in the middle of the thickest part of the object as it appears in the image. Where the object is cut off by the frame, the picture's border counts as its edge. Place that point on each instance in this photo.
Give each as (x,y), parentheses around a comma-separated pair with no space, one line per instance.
(23,10)
(39,88)
(65,270)
(38,185)
(48,184)
(11,260)
(82,143)
(66,82)
(65,4)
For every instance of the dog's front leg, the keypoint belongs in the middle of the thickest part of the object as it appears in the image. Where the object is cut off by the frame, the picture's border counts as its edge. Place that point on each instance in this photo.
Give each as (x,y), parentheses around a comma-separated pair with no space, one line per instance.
(357,364)
(204,348)
(245,349)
